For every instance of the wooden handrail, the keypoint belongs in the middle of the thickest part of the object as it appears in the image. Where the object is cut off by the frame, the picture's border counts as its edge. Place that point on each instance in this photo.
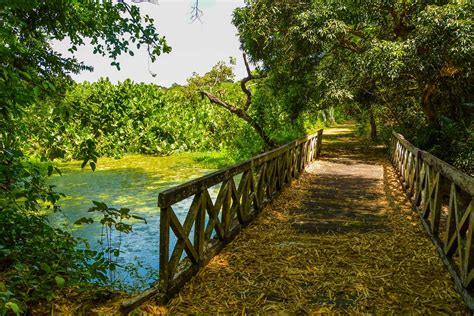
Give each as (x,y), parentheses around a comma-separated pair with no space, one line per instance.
(180,192)
(464,181)
(444,198)
(217,222)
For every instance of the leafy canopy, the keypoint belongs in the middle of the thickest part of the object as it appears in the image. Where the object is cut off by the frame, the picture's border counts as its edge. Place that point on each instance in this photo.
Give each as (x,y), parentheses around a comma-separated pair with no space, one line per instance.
(339,50)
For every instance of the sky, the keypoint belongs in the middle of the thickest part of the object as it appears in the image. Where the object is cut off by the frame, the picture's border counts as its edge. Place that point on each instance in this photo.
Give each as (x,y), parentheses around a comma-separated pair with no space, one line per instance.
(196,47)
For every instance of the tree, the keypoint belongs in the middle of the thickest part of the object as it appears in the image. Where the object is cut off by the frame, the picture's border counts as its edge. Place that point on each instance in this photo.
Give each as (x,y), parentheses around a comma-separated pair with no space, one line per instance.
(242,110)
(396,54)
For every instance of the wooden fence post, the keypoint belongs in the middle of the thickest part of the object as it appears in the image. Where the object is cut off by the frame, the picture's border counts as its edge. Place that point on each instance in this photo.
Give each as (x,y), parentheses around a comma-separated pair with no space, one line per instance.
(199,227)
(164,247)
(318,143)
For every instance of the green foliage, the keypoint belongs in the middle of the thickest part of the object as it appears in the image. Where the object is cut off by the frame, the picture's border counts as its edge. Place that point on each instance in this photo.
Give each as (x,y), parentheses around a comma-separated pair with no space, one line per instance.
(102,119)
(220,73)
(105,119)
(31,69)
(37,260)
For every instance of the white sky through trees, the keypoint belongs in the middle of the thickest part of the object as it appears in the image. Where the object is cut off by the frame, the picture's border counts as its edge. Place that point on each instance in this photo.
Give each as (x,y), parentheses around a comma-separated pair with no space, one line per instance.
(196,47)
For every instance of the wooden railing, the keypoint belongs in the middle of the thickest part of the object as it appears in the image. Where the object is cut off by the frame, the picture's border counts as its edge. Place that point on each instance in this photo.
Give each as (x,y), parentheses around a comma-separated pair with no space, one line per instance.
(210,225)
(216,223)
(443,197)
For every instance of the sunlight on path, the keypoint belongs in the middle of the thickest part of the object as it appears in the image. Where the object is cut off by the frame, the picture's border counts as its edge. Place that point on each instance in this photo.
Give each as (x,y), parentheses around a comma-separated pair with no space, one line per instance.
(337,240)
(341,129)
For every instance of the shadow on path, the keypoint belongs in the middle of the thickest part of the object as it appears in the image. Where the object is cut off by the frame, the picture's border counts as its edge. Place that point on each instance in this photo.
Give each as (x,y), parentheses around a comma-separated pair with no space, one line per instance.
(344,196)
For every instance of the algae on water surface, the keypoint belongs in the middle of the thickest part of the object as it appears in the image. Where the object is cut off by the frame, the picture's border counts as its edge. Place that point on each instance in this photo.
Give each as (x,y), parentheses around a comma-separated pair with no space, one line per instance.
(132,182)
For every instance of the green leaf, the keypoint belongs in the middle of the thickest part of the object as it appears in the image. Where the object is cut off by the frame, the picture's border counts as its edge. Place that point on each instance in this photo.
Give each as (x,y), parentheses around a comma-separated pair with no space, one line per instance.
(26,74)
(140,218)
(36,91)
(51,85)
(50,170)
(100,205)
(84,163)
(13,307)
(59,281)
(58,171)
(84,220)
(45,267)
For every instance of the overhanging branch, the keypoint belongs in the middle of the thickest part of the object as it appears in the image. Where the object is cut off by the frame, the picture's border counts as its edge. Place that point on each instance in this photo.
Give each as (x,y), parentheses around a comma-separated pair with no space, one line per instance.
(243,115)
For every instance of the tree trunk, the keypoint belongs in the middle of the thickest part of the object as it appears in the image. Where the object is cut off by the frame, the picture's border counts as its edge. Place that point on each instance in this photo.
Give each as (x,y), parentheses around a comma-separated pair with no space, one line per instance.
(332,119)
(373,125)
(293,116)
(427,104)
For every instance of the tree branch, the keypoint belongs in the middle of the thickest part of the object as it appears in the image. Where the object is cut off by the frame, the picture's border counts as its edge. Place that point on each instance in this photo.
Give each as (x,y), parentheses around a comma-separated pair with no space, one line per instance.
(249,73)
(244,82)
(242,112)
(344,43)
(196,13)
(225,105)
(358,33)
(243,115)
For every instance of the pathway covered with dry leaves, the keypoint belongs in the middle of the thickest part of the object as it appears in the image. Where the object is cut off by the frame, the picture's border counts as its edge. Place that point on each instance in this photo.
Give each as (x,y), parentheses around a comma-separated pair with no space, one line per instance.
(341,238)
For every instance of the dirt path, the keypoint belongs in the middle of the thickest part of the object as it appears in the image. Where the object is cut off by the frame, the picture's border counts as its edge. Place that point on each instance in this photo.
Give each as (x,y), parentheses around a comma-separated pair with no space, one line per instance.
(341,238)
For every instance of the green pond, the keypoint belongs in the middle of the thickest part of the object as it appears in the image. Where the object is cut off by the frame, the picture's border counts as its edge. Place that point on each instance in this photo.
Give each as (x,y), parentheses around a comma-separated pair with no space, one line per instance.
(133,182)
